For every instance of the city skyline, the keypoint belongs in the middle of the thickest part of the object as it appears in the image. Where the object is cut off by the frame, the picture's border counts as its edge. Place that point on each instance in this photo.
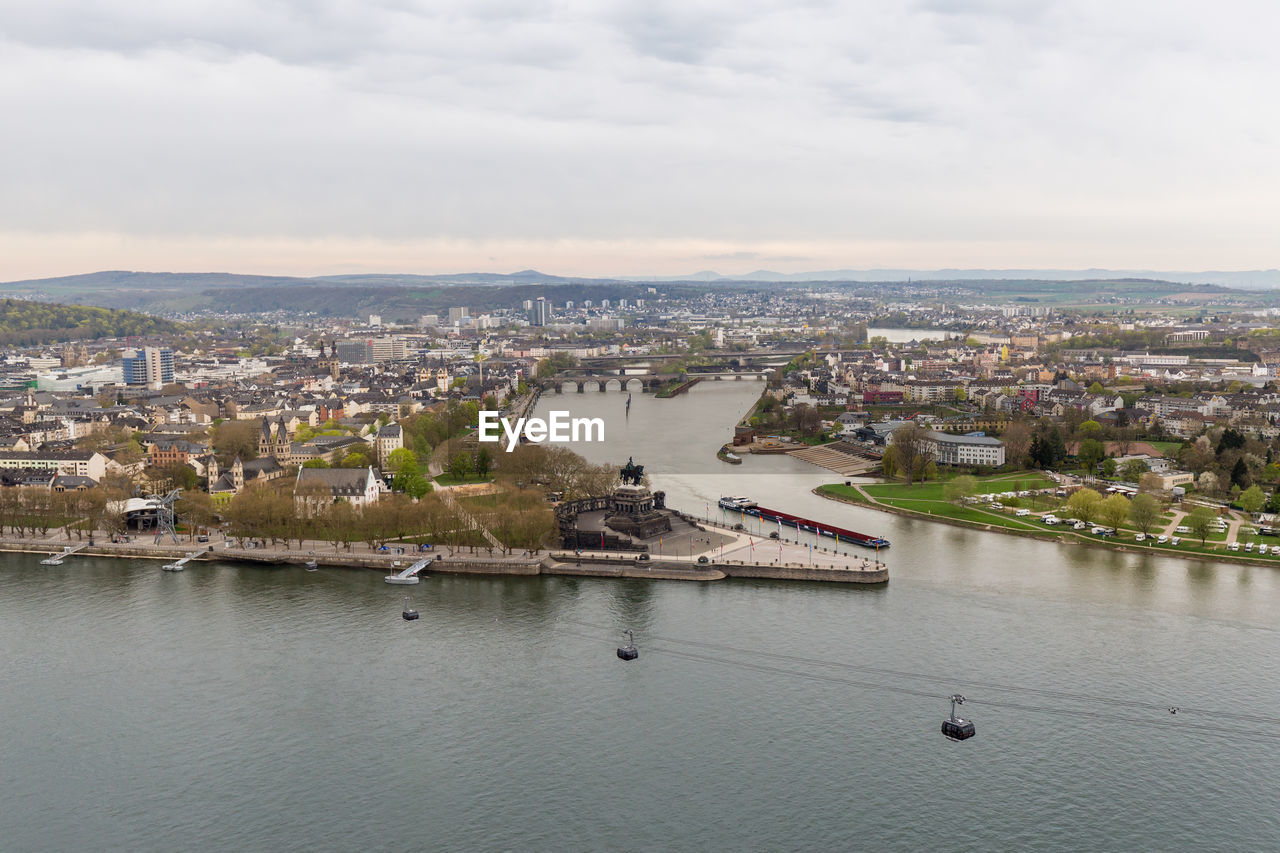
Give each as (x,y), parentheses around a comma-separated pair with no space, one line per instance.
(660,140)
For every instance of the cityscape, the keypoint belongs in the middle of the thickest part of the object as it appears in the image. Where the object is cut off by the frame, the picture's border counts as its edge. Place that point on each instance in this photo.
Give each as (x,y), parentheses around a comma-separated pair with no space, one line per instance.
(483,426)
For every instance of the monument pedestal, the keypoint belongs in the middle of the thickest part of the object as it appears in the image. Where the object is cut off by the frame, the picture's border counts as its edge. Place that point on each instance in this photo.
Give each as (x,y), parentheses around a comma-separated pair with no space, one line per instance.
(632,511)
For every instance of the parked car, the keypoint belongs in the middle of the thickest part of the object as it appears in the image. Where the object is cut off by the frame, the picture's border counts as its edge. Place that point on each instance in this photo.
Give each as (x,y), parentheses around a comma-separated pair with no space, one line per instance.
(1141,537)
(1234,546)
(1080,525)
(995,505)
(1182,528)
(1162,539)
(1022,513)
(1175,541)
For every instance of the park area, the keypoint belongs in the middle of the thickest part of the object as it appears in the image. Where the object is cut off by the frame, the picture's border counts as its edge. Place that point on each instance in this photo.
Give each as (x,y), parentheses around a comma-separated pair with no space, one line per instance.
(1021,503)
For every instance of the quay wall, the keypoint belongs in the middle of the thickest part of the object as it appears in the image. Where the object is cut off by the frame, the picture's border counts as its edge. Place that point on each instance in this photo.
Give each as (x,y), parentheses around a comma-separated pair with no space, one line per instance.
(607,566)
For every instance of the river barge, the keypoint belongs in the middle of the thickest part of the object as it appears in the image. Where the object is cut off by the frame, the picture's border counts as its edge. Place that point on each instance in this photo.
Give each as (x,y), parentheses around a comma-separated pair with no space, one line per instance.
(747,506)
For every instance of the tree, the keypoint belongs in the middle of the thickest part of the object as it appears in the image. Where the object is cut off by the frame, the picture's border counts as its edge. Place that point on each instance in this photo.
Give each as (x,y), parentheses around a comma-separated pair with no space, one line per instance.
(1208,483)
(1017,443)
(1114,510)
(1084,504)
(960,488)
(1252,499)
(889,462)
(1144,512)
(399,459)
(460,466)
(1133,470)
(235,438)
(1091,453)
(355,458)
(1109,467)
(483,463)
(914,450)
(1240,474)
(1200,519)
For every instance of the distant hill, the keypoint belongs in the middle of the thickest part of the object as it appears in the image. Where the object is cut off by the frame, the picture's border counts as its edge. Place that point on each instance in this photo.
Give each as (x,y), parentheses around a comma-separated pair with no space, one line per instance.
(24,323)
(405,296)
(1251,279)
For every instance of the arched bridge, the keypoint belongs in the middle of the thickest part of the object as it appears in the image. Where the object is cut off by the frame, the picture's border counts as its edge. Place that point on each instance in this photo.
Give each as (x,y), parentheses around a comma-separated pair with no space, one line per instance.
(581,384)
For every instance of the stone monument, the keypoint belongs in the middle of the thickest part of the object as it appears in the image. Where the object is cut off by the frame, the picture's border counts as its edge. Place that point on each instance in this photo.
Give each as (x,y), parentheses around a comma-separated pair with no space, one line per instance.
(633,509)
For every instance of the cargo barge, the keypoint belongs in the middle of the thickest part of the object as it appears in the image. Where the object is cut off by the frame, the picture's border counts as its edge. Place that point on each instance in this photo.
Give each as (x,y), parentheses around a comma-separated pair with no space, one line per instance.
(840,534)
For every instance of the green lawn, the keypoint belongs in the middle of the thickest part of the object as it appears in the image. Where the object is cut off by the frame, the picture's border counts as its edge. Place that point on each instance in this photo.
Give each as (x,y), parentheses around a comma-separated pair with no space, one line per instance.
(1166,447)
(934,490)
(447,480)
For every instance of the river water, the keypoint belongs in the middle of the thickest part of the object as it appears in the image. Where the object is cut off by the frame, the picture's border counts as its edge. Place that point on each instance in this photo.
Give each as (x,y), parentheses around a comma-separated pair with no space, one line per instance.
(247,708)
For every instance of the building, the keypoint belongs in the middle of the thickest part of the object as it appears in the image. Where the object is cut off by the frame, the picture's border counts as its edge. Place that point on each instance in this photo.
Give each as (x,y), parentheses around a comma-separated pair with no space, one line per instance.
(80,463)
(964,449)
(150,366)
(355,351)
(319,487)
(389,438)
(457,315)
(539,312)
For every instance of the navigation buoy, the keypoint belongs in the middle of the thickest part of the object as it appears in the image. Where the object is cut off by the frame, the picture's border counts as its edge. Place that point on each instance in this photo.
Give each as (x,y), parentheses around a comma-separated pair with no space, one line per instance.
(409,613)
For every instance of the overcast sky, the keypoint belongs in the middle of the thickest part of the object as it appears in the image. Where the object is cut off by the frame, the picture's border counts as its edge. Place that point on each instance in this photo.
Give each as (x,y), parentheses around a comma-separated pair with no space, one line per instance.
(636,137)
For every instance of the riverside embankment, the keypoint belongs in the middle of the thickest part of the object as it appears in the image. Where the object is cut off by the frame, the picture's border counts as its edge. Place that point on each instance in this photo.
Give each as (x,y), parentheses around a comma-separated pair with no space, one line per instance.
(588,564)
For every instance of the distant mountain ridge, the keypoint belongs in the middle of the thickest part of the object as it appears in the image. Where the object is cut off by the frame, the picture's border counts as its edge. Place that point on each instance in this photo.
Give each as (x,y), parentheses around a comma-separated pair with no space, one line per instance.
(130,280)
(1251,279)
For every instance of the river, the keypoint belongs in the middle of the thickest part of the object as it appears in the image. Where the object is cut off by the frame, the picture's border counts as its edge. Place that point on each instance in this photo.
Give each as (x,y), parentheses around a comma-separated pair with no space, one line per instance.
(249,708)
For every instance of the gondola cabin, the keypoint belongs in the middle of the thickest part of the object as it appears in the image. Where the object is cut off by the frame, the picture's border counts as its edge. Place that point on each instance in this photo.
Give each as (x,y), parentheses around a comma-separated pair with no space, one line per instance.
(957,728)
(629,651)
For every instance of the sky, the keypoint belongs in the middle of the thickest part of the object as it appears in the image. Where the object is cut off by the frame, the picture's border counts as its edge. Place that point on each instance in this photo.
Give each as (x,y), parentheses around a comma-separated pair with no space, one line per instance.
(636,137)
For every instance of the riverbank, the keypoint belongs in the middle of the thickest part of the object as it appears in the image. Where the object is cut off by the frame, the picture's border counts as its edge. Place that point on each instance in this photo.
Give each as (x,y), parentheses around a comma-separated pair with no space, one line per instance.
(1062,537)
(450,561)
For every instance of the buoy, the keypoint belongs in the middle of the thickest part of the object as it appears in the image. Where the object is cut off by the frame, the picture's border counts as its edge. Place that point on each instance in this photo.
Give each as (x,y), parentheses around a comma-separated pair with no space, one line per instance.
(409,613)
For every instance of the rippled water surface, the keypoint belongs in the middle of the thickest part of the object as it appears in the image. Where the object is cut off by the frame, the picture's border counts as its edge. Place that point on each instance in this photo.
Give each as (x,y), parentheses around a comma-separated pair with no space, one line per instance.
(238,707)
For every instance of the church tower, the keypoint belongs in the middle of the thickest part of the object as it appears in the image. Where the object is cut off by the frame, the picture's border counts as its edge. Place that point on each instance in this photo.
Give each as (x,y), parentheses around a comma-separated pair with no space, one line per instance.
(264,440)
(280,447)
(237,474)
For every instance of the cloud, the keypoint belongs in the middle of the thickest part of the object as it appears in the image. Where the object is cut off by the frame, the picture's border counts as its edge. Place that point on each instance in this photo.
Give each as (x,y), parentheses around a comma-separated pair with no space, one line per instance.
(1076,129)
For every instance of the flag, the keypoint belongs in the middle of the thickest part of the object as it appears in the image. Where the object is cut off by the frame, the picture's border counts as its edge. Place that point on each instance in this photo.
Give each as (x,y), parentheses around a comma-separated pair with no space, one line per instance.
(601,538)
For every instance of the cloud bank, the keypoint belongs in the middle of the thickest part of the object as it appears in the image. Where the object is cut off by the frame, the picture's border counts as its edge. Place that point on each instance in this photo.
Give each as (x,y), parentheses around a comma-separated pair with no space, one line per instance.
(636,137)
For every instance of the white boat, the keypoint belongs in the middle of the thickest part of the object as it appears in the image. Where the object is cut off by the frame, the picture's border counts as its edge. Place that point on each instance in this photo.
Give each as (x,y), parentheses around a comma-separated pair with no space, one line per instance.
(173,567)
(402,580)
(311,565)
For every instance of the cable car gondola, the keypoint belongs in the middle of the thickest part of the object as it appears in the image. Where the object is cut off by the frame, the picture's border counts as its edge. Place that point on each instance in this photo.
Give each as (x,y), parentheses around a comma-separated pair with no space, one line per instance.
(629,651)
(955,728)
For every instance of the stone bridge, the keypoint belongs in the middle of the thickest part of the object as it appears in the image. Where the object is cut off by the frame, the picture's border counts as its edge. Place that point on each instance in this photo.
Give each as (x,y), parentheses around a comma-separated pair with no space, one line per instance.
(580,384)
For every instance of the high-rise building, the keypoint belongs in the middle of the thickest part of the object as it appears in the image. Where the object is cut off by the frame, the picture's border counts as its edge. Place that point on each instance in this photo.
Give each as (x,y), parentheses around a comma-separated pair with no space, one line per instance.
(150,366)
(428,321)
(375,319)
(457,314)
(539,312)
(355,351)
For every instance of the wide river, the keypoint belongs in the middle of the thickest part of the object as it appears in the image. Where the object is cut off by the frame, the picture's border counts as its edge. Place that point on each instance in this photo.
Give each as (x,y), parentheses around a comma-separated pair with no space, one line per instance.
(242,708)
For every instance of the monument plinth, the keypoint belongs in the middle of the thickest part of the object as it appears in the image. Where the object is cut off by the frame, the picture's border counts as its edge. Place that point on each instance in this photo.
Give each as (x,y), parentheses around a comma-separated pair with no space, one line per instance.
(633,509)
